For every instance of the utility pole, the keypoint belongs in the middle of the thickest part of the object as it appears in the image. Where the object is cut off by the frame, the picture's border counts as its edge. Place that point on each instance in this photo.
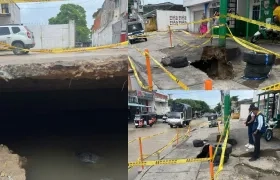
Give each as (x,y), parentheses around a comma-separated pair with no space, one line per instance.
(247,14)
(226,110)
(222,102)
(222,23)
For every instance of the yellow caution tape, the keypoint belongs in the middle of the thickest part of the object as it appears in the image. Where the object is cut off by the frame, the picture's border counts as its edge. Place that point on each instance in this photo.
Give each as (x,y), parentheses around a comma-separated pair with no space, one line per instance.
(272,87)
(190,45)
(136,75)
(221,165)
(174,78)
(131,141)
(268,26)
(64,50)
(201,36)
(26,1)
(148,137)
(167,161)
(251,46)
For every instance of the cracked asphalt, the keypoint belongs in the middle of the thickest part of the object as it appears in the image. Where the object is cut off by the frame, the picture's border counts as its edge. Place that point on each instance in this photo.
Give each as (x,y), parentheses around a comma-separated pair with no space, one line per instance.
(159,47)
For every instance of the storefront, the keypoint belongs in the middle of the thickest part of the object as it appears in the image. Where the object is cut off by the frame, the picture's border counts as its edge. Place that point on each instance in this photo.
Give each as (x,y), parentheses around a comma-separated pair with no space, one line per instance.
(140,101)
(161,104)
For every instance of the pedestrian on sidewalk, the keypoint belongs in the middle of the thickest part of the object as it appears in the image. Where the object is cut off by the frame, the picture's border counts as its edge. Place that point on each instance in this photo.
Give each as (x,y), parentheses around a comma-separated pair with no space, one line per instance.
(249,124)
(259,129)
(203,26)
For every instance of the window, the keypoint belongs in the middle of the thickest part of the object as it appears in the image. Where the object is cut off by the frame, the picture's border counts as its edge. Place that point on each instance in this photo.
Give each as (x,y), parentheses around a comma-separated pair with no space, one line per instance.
(256,12)
(5,8)
(15,30)
(117,3)
(4,31)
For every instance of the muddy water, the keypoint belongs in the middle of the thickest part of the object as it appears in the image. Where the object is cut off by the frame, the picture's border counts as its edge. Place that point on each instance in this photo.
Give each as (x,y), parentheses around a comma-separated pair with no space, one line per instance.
(53,158)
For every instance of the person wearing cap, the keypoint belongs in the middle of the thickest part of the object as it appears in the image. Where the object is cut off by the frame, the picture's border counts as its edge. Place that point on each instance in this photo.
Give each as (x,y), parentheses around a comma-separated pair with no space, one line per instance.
(249,124)
(258,129)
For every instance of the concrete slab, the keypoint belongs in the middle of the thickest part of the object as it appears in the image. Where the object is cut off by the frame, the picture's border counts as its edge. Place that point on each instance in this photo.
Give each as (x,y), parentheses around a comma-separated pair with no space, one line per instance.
(89,70)
(177,175)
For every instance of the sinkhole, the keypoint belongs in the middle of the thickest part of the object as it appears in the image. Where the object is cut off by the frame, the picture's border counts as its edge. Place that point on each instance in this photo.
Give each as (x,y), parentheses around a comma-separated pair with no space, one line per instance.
(50,119)
(216,62)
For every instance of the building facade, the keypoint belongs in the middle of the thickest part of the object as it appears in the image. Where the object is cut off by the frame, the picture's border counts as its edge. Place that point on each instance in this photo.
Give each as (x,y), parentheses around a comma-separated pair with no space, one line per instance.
(258,10)
(9,13)
(110,23)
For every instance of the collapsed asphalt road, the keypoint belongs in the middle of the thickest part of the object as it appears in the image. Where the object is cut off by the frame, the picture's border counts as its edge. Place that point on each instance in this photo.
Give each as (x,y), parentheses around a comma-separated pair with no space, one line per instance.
(194,77)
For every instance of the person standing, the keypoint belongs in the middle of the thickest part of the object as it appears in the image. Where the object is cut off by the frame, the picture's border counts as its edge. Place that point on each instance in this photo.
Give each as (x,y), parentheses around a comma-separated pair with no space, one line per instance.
(203,26)
(249,124)
(258,129)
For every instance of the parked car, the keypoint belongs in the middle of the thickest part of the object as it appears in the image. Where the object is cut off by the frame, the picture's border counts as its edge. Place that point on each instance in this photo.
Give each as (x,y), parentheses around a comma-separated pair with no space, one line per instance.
(17,35)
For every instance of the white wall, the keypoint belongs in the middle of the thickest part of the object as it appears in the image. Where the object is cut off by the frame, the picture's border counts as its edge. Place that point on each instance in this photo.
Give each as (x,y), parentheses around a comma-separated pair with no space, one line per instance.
(103,36)
(244,112)
(54,36)
(166,18)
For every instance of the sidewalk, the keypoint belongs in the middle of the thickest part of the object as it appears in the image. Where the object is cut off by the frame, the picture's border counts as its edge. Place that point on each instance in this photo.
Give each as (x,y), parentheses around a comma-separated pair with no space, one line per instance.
(238,167)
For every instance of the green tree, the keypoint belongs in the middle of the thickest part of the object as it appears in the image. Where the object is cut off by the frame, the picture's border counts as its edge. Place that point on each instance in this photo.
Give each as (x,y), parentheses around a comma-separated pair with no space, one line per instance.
(218,108)
(78,14)
(195,104)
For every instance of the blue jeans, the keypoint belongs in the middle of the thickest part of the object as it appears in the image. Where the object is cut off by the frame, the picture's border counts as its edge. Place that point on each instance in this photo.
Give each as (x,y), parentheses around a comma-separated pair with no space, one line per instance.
(250,134)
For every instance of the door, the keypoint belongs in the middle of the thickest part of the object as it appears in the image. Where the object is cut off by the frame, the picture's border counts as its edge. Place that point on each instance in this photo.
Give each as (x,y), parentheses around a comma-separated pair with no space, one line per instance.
(5,35)
(197,17)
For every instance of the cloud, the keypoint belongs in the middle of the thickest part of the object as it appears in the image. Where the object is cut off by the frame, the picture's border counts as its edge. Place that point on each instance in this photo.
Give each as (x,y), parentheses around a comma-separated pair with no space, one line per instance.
(39,13)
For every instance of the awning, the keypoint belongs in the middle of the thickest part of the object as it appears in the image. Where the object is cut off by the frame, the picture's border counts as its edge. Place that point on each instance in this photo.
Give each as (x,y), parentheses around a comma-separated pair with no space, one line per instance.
(138,105)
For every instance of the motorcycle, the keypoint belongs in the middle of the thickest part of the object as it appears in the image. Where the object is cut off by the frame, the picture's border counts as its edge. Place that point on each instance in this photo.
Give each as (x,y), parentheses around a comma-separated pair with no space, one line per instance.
(264,33)
(270,125)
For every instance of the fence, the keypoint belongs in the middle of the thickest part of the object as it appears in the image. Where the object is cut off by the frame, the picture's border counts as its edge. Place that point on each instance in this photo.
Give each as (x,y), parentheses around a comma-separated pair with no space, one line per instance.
(179,137)
(172,36)
(54,36)
(214,175)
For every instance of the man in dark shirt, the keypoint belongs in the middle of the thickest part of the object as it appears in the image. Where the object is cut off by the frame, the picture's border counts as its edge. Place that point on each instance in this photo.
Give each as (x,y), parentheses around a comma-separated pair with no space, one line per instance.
(258,129)
(249,123)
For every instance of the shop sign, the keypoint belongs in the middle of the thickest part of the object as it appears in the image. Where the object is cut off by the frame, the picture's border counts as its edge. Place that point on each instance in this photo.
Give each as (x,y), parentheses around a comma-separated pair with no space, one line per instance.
(145,95)
(160,97)
(177,20)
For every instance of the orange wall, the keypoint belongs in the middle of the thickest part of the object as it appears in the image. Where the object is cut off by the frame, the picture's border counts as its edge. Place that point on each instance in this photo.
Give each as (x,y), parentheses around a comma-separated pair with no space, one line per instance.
(96,23)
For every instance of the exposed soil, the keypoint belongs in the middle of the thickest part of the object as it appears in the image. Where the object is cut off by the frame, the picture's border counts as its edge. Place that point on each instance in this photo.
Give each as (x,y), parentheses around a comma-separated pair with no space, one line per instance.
(11,165)
(219,66)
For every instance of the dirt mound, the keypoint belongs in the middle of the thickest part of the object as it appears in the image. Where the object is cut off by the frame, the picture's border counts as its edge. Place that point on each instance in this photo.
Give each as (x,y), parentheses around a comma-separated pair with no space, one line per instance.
(11,165)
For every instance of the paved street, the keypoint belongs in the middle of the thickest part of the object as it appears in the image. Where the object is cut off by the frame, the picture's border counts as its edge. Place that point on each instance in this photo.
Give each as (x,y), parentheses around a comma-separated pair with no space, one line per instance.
(158,45)
(153,144)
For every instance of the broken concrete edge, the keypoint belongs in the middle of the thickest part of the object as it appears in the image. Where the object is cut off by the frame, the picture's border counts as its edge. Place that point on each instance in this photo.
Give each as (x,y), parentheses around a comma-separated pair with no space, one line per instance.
(81,69)
(141,75)
(141,175)
(16,164)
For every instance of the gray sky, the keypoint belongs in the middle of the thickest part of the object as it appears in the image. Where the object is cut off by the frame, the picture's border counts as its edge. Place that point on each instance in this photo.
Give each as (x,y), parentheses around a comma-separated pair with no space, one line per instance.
(212,98)
(39,13)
